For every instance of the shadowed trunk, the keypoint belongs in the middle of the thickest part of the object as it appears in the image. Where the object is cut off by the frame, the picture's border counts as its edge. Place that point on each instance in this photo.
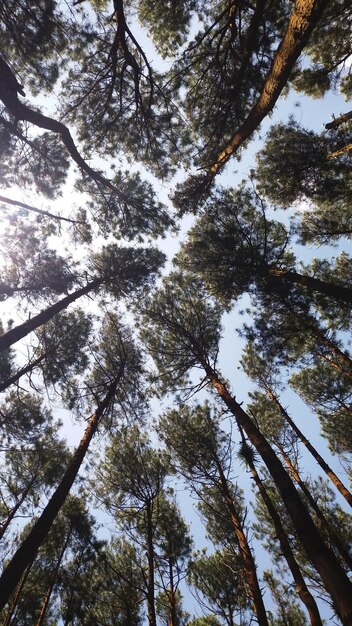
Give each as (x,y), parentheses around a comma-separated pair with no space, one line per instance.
(20,331)
(319,459)
(324,560)
(301,587)
(29,547)
(304,18)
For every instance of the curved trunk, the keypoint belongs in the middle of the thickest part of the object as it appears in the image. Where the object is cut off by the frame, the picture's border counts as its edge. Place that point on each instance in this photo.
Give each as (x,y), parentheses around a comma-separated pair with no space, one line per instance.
(315,285)
(20,331)
(301,587)
(319,459)
(324,560)
(29,547)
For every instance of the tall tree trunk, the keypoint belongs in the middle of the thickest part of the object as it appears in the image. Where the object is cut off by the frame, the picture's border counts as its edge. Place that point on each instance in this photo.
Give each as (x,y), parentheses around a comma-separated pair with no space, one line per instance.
(20,331)
(14,510)
(151,574)
(332,534)
(11,380)
(315,285)
(301,587)
(45,604)
(304,18)
(319,459)
(172,596)
(29,547)
(324,560)
(15,599)
(246,555)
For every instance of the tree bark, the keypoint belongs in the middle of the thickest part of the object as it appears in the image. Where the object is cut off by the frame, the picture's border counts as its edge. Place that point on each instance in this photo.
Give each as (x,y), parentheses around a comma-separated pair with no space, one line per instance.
(319,459)
(304,18)
(14,510)
(338,121)
(301,587)
(247,558)
(14,602)
(315,285)
(29,547)
(45,604)
(34,209)
(324,560)
(332,534)
(20,331)
(151,577)
(172,596)
(24,370)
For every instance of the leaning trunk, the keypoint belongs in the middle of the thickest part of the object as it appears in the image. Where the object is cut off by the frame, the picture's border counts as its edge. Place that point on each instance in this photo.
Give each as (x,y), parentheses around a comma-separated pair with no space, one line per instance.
(14,510)
(311,284)
(301,587)
(20,331)
(45,604)
(323,559)
(11,380)
(331,533)
(319,459)
(304,18)
(29,547)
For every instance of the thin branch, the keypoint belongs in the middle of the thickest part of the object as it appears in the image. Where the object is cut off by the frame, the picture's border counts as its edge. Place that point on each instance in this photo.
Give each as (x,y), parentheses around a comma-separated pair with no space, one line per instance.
(28,207)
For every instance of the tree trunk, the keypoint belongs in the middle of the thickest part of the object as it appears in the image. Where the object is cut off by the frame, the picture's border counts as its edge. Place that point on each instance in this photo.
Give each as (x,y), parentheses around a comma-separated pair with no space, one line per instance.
(332,534)
(29,547)
(20,331)
(14,510)
(172,596)
(319,459)
(304,17)
(301,587)
(323,559)
(151,577)
(246,555)
(24,370)
(14,602)
(315,285)
(45,604)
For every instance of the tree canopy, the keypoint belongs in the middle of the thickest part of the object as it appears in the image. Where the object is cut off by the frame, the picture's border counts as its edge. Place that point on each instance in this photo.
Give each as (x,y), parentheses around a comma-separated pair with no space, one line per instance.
(194,322)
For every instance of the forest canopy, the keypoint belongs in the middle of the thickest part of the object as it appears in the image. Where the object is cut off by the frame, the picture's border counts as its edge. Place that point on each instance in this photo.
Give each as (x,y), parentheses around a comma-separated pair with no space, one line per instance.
(191,323)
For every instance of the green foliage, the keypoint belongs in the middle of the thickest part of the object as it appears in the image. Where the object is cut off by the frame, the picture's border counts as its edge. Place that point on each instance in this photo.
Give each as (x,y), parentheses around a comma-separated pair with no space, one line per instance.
(217,580)
(294,166)
(233,243)
(181,328)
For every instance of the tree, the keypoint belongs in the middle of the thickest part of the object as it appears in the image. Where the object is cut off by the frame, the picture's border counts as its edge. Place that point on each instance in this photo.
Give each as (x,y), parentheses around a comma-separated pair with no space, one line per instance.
(167,312)
(133,270)
(266,375)
(102,586)
(253,252)
(70,535)
(132,478)
(203,458)
(217,580)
